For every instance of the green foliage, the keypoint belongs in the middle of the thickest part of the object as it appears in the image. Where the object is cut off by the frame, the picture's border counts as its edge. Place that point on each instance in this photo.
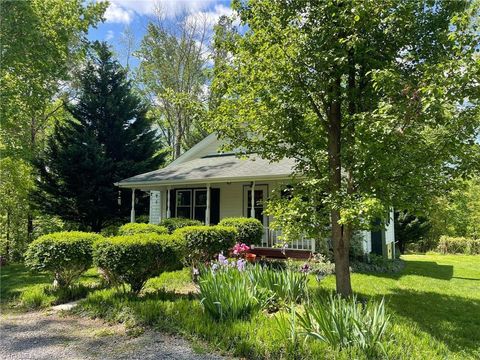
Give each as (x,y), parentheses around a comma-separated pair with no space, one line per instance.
(180,109)
(104,138)
(35,297)
(411,229)
(204,242)
(65,254)
(229,294)
(173,224)
(365,110)
(41,41)
(457,212)
(458,245)
(15,186)
(249,230)
(429,320)
(287,286)
(136,228)
(344,323)
(134,259)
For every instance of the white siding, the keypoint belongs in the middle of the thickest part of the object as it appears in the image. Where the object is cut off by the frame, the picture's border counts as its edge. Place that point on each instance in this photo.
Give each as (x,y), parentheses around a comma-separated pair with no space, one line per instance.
(154,207)
(390,229)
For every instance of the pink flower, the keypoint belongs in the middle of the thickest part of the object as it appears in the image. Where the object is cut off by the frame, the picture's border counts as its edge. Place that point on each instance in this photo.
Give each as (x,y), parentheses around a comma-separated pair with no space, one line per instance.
(240,248)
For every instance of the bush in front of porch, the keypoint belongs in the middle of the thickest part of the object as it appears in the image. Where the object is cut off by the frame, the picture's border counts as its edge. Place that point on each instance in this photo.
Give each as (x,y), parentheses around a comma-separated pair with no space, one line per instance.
(203,243)
(249,230)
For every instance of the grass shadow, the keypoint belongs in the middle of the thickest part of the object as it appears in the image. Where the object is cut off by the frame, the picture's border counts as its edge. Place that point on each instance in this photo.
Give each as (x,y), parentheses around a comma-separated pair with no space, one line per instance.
(430,269)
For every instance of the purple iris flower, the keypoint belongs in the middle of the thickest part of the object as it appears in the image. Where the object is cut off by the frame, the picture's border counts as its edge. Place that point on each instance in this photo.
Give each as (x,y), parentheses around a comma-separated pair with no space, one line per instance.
(222,259)
(241,264)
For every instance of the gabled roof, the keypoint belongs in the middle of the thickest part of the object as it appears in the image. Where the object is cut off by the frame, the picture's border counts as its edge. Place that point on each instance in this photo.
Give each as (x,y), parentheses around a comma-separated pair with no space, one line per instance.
(213,168)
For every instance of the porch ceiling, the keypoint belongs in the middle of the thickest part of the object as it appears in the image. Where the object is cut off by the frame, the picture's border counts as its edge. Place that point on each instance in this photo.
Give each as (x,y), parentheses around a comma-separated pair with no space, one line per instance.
(213,168)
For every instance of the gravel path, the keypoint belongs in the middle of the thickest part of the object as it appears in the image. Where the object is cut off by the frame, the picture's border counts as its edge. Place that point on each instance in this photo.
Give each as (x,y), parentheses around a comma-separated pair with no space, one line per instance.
(38,335)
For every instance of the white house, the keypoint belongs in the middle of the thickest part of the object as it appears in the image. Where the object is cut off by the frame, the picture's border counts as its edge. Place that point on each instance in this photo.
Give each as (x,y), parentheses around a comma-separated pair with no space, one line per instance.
(206,185)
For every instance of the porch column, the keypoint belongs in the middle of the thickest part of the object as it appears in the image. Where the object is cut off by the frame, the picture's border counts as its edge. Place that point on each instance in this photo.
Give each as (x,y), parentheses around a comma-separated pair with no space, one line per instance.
(132,213)
(252,210)
(169,213)
(207,210)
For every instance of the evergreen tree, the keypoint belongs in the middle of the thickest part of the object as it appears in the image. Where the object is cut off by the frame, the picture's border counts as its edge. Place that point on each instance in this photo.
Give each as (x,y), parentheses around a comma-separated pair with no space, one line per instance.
(107,138)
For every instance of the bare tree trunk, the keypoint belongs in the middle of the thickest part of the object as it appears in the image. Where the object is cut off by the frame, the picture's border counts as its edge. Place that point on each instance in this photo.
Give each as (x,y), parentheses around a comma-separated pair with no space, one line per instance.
(340,238)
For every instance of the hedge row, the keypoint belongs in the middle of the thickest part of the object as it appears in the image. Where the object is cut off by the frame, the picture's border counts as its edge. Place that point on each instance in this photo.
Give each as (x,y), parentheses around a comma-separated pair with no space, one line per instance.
(458,245)
(144,252)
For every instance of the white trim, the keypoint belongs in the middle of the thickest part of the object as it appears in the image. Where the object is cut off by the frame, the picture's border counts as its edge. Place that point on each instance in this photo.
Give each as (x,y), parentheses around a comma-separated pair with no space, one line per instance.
(169,211)
(147,184)
(208,210)
(132,212)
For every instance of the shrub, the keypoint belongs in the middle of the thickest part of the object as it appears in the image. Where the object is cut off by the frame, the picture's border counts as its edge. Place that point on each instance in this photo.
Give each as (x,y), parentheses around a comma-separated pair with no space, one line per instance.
(346,323)
(65,254)
(140,228)
(458,245)
(249,230)
(204,242)
(134,259)
(229,294)
(173,224)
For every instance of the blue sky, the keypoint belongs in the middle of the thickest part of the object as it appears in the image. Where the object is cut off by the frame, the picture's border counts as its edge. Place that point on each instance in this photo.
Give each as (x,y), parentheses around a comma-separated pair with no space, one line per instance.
(135,14)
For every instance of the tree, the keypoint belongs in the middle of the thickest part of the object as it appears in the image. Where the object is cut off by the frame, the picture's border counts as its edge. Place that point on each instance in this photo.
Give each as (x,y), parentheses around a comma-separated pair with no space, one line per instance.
(40,41)
(410,228)
(173,68)
(376,101)
(107,138)
(457,212)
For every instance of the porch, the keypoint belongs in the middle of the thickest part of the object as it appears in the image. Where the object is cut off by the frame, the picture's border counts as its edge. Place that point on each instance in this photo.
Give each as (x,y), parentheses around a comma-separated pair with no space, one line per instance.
(211,202)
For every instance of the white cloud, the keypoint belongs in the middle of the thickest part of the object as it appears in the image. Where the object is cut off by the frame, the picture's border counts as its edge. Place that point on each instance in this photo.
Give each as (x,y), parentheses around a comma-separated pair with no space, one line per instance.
(118,14)
(211,16)
(123,10)
(110,35)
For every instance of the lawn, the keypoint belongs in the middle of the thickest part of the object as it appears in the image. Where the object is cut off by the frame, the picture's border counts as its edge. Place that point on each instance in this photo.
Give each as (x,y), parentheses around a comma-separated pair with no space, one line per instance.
(434,300)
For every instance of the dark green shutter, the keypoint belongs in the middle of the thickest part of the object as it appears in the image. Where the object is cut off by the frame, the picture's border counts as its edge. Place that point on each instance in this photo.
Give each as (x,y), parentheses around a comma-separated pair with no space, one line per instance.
(214,206)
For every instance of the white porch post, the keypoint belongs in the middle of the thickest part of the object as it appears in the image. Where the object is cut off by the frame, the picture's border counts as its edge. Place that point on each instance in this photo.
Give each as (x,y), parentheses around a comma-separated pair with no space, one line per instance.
(207,210)
(252,210)
(169,213)
(132,213)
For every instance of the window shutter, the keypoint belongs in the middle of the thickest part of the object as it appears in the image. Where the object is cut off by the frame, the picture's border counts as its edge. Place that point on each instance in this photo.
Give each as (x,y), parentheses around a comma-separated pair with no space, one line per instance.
(214,206)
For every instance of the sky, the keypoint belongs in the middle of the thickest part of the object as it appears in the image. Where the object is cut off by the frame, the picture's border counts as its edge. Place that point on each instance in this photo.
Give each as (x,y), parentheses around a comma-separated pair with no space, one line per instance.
(135,14)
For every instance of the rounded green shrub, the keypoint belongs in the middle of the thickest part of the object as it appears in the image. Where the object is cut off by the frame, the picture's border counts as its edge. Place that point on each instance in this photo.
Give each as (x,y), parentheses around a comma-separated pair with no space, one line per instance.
(64,254)
(141,228)
(249,230)
(173,224)
(202,243)
(133,259)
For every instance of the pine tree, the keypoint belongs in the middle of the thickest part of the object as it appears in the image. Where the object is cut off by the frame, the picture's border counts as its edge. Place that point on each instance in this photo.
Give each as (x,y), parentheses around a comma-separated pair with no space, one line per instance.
(105,138)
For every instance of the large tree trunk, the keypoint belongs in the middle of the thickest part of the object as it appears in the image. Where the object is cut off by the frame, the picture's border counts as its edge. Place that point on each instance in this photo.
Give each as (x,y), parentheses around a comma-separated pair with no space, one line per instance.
(340,236)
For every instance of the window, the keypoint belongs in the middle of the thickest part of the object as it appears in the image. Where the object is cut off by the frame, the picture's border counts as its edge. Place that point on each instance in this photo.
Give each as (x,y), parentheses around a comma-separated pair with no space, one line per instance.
(184,204)
(200,204)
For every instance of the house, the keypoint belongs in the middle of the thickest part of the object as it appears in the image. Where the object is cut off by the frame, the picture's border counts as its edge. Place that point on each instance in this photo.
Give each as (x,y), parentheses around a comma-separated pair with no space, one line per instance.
(206,185)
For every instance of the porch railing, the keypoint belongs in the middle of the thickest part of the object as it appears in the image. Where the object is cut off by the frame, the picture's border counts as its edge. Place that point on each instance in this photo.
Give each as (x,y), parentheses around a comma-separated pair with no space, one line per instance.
(272,240)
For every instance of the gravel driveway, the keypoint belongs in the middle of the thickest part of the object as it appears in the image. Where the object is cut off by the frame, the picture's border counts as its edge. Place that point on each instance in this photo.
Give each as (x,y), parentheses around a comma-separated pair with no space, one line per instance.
(38,335)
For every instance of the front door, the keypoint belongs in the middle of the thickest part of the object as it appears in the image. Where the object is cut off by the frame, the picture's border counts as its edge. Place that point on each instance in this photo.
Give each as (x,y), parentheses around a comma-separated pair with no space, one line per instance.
(260,195)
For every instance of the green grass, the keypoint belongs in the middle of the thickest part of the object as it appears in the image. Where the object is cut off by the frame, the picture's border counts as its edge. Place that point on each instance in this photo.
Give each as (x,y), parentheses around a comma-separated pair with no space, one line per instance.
(30,290)
(434,302)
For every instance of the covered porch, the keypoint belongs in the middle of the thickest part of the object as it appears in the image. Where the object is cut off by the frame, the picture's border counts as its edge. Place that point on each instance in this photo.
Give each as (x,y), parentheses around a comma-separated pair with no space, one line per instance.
(211,188)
